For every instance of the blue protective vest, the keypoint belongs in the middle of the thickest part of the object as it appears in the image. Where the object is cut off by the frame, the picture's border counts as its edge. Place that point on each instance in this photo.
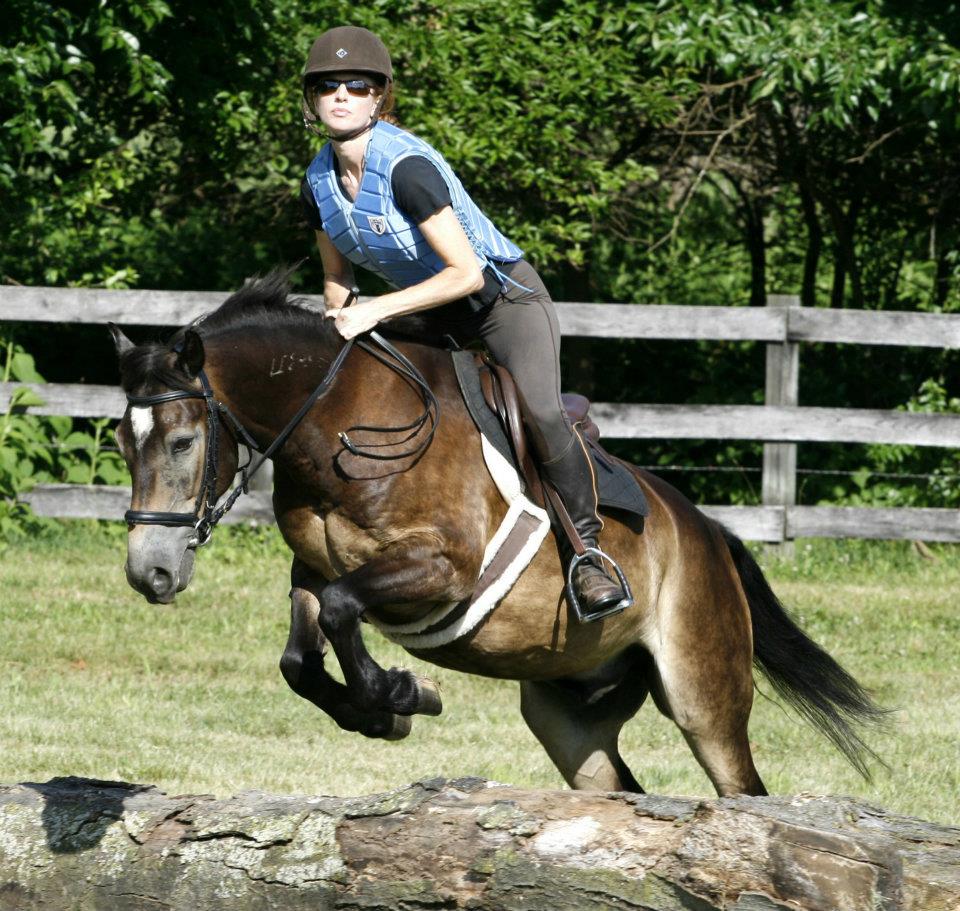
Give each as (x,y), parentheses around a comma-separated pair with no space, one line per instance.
(372,232)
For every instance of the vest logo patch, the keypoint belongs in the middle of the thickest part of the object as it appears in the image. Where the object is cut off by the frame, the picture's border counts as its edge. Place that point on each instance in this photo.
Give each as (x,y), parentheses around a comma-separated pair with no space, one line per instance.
(342,53)
(378,224)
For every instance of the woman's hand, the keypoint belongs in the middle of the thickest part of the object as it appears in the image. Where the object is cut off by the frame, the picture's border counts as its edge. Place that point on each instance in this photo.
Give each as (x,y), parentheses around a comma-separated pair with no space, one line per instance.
(355,320)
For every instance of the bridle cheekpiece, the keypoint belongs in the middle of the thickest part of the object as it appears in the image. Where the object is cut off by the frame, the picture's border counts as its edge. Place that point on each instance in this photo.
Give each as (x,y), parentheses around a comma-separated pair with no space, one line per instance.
(206,513)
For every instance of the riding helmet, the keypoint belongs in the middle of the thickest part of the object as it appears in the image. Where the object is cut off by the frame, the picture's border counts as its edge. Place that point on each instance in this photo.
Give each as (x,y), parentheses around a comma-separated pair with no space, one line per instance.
(349,48)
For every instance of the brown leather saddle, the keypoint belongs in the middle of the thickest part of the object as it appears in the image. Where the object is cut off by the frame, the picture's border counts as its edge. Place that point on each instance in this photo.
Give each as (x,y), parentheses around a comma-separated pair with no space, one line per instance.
(493,402)
(500,394)
(494,405)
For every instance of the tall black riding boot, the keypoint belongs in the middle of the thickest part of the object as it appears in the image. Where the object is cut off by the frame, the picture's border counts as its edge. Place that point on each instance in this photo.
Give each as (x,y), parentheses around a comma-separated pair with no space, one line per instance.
(572,475)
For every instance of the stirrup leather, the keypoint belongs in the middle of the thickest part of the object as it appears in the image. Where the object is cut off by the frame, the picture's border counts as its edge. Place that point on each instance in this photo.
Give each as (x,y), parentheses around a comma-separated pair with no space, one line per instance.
(589,617)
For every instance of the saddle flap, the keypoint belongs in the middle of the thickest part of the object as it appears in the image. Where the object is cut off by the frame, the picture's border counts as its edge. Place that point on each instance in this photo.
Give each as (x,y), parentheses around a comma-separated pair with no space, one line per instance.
(500,394)
(618,484)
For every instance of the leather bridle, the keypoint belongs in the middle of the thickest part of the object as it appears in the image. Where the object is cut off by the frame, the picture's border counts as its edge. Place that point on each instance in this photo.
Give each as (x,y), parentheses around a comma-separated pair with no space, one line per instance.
(207,513)
(203,517)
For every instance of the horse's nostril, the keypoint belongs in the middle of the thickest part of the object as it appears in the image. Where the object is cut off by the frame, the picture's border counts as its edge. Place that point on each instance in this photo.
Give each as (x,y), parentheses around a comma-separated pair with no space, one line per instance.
(159,581)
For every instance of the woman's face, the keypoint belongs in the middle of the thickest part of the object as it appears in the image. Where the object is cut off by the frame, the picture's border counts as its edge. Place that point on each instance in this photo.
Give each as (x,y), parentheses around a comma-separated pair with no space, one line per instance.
(342,110)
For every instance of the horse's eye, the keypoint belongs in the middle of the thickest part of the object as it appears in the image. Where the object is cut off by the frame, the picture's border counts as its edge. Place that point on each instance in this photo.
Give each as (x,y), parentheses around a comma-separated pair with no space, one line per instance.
(182,445)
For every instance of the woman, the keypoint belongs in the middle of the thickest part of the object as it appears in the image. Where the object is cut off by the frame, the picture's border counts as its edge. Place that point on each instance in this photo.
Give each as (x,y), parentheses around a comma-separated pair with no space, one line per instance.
(383,199)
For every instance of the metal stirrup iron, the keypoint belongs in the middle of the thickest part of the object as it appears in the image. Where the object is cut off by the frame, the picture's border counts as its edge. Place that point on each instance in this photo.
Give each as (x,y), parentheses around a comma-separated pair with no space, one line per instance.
(581,553)
(625,602)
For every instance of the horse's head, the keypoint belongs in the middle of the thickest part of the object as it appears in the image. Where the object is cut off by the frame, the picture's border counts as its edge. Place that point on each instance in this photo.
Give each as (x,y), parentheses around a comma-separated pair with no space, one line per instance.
(179,461)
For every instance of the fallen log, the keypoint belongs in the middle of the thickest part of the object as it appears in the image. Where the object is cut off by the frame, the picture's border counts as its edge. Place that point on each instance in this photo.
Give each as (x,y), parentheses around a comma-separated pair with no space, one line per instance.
(81,844)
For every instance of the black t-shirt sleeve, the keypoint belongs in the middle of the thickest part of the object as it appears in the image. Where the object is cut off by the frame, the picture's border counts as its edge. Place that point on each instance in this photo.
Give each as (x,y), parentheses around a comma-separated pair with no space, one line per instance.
(418,188)
(419,191)
(309,208)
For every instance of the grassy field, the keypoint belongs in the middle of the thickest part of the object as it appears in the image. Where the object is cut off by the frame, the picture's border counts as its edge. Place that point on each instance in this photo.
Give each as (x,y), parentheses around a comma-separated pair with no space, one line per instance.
(95,682)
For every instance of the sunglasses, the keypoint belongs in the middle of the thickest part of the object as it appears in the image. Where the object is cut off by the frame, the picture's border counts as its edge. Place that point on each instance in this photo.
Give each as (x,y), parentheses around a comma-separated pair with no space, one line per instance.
(359,88)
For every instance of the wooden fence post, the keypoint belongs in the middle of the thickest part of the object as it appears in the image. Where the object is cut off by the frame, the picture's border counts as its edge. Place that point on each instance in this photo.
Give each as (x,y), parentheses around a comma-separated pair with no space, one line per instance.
(779,486)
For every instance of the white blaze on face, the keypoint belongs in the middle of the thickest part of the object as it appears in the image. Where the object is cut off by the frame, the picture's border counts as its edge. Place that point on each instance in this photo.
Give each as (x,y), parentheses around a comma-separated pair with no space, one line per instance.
(141,420)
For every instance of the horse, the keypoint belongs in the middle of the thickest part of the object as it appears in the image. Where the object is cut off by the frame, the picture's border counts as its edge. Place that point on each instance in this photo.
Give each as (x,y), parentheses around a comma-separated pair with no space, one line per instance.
(388,539)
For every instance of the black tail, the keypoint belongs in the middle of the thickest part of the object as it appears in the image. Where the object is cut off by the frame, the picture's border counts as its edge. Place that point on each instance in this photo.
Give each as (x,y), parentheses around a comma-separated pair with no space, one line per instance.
(802,672)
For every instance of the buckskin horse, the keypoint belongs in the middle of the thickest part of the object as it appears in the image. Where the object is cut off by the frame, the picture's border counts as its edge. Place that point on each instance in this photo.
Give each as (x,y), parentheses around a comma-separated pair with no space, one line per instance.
(390,538)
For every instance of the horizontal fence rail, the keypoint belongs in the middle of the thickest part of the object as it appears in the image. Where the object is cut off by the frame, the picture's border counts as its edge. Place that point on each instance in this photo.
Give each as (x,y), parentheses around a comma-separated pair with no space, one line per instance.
(753,523)
(664,321)
(625,421)
(780,423)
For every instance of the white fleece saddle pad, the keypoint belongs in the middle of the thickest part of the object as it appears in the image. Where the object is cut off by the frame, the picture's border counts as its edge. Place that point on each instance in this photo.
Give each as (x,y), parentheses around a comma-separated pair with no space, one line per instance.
(506,556)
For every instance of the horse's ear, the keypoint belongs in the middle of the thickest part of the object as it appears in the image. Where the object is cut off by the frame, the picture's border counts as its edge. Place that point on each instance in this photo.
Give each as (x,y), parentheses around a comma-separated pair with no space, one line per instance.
(120,341)
(191,355)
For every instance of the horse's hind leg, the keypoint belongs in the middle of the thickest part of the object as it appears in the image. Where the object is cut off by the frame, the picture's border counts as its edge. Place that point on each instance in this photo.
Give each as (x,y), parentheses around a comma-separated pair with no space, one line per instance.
(718,741)
(703,682)
(302,665)
(580,732)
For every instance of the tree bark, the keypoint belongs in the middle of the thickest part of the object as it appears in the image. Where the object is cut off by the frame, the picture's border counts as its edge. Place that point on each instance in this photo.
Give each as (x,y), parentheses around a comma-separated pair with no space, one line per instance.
(758,254)
(811,257)
(943,243)
(80,844)
(893,280)
(845,257)
(752,215)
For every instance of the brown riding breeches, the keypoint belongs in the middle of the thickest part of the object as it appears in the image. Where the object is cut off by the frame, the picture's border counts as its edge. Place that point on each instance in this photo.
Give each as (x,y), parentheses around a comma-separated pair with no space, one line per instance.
(522,333)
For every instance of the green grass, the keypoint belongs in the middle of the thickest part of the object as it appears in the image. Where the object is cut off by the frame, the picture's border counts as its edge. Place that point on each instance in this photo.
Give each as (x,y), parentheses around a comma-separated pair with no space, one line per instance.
(95,682)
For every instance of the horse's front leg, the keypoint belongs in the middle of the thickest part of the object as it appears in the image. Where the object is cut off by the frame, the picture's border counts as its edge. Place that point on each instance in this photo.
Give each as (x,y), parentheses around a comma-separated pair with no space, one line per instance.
(302,665)
(408,572)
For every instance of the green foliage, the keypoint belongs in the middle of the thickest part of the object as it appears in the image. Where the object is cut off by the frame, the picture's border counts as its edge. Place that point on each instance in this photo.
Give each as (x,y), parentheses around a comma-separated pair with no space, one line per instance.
(682,152)
(840,60)
(26,446)
(146,148)
(42,450)
(936,473)
(79,130)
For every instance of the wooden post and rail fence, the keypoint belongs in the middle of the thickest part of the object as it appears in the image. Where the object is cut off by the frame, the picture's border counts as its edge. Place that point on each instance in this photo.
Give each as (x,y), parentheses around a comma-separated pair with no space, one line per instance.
(780,423)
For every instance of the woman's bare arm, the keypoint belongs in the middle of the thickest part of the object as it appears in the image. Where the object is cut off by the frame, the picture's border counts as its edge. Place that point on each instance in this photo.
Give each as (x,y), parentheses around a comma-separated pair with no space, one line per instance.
(460,276)
(337,273)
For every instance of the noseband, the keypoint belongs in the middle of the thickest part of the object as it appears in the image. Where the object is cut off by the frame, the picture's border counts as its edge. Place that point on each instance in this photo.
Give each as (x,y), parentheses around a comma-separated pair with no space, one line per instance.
(207,513)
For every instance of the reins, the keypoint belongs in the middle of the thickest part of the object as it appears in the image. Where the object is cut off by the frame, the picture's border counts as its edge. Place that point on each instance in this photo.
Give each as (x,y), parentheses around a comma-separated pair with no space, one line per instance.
(206,513)
(431,410)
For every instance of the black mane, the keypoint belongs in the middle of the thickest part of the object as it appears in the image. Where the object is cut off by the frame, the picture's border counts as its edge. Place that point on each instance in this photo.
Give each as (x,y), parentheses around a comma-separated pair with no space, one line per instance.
(262,305)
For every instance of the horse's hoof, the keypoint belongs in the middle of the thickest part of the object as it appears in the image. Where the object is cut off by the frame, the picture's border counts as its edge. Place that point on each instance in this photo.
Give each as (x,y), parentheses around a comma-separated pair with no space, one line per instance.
(385,726)
(428,697)
(400,727)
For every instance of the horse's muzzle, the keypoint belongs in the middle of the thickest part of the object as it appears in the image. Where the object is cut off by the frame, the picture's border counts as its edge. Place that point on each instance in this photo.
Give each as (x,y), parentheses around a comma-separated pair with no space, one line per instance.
(160,584)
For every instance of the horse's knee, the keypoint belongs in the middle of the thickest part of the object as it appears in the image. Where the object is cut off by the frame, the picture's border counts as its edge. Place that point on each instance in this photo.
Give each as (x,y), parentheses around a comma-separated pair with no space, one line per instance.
(337,612)
(291,667)
(331,618)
